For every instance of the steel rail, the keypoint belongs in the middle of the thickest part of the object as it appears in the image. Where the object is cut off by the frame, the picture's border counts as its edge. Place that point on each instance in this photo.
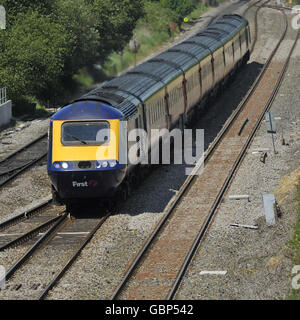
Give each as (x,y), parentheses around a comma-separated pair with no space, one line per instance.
(213,18)
(251,6)
(25,166)
(21,169)
(255,19)
(24,148)
(255,24)
(24,215)
(17,265)
(233,171)
(68,264)
(12,170)
(30,234)
(59,275)
(190,178)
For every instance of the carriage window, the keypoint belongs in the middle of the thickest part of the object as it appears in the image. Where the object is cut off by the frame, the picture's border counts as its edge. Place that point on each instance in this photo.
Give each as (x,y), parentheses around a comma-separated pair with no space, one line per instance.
(160,108)
(171,99)
(137,127)
(85,133)
(205,70)
(152,113)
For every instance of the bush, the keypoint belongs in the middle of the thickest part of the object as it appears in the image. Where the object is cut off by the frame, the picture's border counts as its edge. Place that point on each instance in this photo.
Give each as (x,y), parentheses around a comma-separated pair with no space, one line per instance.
(32,55)
(157,18)
(181,7)
(23,106)
(47,42)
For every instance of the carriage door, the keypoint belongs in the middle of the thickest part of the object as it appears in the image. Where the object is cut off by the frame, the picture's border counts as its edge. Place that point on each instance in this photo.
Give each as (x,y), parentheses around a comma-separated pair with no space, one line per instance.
(141,143)
(138,139)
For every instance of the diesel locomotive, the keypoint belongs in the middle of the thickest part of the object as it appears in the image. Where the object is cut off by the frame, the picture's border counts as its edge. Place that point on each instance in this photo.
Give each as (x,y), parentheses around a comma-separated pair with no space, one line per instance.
(87,137)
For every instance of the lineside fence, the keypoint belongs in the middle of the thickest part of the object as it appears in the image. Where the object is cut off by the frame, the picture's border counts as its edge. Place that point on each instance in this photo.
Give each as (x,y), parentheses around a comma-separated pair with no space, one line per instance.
(3,97)
(5,108)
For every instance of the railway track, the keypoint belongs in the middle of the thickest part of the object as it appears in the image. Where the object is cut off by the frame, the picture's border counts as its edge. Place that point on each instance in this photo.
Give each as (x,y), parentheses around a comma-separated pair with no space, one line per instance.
(259,4)
(230,11)
(27,156)
(61,228)
(26,225)
(23,159)
(80,246)
(64,238)
(29,226)
(159,267)
(24,215)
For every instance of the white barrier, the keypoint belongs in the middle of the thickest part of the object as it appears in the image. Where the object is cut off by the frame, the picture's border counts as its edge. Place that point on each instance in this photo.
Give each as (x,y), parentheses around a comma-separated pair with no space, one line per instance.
(5,113)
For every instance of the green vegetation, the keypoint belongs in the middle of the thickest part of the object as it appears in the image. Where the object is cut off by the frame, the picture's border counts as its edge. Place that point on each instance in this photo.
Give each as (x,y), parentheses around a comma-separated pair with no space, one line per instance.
(46,42)
(32,57)
(295,244)
(157,27)
(292,3)
(197,12)
(40,111)
(181,7)
(152,31)
(84,79)
(149,41)
(50,48)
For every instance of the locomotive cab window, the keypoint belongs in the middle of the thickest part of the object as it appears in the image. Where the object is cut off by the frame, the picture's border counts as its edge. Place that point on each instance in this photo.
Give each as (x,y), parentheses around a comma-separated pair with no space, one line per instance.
(85,133)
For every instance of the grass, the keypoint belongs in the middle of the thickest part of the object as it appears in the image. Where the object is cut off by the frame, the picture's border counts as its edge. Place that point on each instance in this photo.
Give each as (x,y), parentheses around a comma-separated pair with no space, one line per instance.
(292,3)
(150,42)
(89,77)
(40,111)
(197,12)
(295,244)
(84,79)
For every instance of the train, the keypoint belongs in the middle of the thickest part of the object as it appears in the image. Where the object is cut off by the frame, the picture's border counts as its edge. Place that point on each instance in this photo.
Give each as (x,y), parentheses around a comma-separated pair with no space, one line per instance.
(88,136)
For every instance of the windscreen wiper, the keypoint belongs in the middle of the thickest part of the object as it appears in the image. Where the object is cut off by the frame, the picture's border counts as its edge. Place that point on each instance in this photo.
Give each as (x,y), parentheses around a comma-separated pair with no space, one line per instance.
(70,135)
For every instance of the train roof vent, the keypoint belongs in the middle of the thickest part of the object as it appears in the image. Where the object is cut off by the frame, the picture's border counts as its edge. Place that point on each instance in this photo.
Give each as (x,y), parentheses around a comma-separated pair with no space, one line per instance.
(218,30)
(232,16)
(110,96)
(225,23)
(147,74)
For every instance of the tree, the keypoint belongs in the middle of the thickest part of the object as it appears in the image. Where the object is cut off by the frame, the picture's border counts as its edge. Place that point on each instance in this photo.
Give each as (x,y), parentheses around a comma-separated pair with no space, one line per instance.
(13,7)
(181,7)
(78,20)
(158,17)
(115,22)
(47,42)
(32,54)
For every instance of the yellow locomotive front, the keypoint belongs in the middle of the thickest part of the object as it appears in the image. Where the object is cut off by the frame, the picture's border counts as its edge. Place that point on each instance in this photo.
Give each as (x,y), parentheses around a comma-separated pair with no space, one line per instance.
(83,159)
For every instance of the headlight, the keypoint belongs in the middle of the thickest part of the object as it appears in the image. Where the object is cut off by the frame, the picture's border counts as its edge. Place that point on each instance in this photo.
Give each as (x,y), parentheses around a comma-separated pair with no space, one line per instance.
(104,164)
(112,163)
(65,165)
(56,165)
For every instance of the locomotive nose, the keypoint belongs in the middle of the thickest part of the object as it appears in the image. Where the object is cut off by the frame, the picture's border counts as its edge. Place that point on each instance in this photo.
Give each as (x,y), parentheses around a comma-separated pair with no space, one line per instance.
(84,151)
(84,164)
(93,184)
